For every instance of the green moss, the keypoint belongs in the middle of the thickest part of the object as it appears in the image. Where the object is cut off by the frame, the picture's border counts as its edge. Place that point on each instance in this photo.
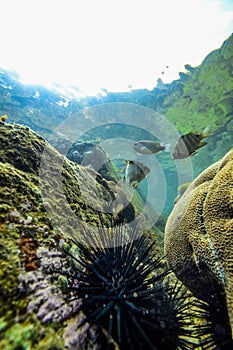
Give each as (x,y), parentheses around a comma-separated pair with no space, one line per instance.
(19,336)
(26,336)
(51,341)
(9,270)
(63,283)
(3,324)
(32,297)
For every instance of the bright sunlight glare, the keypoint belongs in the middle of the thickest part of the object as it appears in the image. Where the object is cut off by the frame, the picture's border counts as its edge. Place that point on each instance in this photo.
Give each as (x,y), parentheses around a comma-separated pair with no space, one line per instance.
(109,44)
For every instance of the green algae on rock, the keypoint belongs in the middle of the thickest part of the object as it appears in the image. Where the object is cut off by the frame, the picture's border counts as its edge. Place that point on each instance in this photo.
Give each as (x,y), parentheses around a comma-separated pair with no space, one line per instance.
(25,230)
(205,97)
(35,312)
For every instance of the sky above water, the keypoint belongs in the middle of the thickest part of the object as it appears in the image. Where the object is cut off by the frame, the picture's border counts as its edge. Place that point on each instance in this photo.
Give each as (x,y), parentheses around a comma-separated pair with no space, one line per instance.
(116,45)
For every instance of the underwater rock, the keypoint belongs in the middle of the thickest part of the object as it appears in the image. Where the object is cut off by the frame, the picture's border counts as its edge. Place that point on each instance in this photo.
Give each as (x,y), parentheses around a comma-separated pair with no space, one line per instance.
(62,144)
(88,153)
(34,312)
(227,48)
(199,235)
(203,96)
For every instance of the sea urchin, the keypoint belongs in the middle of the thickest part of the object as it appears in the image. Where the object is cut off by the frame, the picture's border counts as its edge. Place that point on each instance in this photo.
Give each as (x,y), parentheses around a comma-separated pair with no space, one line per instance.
(125,290)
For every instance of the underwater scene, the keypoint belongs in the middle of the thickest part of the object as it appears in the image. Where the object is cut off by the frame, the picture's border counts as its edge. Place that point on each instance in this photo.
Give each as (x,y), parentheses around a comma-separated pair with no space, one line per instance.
(116,214)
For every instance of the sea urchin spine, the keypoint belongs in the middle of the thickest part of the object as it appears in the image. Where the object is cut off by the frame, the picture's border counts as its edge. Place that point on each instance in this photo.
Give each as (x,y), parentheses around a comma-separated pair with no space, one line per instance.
(125,290)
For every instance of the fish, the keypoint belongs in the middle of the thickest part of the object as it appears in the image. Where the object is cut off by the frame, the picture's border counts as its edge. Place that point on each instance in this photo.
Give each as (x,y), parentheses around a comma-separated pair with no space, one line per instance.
(181,190)
(3,118)
(150,147)
(189,143)
(135,172)
(116,211)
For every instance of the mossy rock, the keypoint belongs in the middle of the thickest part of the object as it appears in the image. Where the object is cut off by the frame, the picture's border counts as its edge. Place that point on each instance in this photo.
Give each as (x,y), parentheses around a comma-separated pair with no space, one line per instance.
(206,95)
(34,236)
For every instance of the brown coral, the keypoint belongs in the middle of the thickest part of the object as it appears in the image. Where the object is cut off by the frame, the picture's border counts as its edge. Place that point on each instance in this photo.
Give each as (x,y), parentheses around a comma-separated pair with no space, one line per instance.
(199,234)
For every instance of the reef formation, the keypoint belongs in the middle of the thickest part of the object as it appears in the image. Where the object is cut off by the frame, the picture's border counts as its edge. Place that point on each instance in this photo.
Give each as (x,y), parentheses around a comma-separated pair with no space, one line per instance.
(199,233)
(61,288)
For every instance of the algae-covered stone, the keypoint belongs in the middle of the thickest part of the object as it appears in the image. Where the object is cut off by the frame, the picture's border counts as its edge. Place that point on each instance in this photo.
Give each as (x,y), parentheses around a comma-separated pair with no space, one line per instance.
(206,95)
(34,308)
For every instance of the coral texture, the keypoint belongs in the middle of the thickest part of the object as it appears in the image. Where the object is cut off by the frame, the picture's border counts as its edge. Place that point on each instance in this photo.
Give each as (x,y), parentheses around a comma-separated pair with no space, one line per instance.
(199,235)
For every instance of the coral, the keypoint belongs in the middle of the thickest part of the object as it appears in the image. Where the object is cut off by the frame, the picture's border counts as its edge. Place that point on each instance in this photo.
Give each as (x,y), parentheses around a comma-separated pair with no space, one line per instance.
(199,234)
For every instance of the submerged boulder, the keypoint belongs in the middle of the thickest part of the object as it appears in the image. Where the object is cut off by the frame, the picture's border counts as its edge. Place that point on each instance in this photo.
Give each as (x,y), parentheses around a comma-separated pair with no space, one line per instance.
(89,153)
(199,235)
(35,229)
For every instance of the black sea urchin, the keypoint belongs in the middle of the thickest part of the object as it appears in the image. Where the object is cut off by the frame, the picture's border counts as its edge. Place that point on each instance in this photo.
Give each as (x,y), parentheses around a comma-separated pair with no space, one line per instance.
(125,290)
(216,332)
